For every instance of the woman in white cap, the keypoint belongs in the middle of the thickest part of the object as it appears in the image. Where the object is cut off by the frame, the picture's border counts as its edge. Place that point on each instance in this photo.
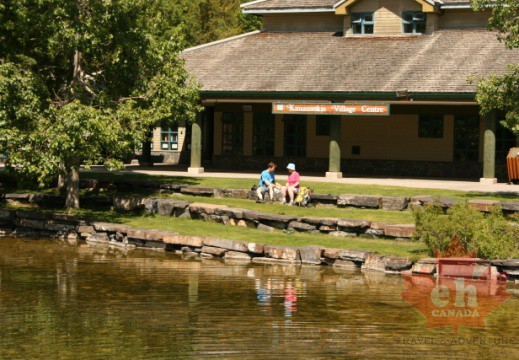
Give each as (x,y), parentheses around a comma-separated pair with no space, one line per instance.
(292,186)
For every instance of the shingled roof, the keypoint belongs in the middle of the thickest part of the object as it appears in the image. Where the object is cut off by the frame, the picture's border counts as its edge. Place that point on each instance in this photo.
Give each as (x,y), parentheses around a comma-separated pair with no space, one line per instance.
(323,62)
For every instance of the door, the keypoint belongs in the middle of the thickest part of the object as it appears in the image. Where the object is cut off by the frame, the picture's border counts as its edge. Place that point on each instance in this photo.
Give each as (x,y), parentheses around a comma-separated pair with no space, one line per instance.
(466,138)
(295,135)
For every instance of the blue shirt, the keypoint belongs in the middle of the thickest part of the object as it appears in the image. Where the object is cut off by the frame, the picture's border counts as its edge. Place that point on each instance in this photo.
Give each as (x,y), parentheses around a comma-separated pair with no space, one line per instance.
(266,176)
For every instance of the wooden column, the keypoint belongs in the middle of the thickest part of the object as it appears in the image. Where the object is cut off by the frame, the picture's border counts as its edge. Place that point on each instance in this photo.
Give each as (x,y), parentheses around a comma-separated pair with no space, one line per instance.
(196,147)
(334,169)
(489,149)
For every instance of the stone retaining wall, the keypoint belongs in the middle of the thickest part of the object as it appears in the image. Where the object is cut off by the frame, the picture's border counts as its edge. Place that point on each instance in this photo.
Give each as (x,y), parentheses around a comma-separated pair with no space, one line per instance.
(230,216)
(77,231)
(341,200)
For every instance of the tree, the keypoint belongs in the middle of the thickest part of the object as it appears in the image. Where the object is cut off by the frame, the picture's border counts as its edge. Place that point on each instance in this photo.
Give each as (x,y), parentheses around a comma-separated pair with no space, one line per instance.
(502,92)
(81,83)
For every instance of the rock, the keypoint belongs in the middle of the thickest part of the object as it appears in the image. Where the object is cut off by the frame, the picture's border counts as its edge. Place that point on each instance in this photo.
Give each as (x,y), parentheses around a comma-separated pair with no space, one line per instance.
(422,199)
(237,255)
(320,221)
(172,187)
(146,234)
(34,215)
(483,205)
(400,231)
(353,255)
(197,191)
(281,252)
(342,234)
(226,244)
(231,193)
(99,237)
(209,209)
(184,240)
(31,224)
(264,217)
(213,251)
(245,224)
(374,232)
(108,227)
(394,203)
(424,267)
(389,264)
(344,264)
(233,213)
(255,248)
(127,203)
(310,255)
(18,197)
(327,229)
(266,228)
(331,253)
(301,226)
(7,214)
(57,226)
(510,206)
(167,207)
(362,201)
(150,205)
(352,225)
(324,198)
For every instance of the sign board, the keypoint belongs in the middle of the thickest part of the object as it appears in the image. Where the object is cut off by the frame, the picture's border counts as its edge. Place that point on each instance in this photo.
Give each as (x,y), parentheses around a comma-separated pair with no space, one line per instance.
(330,109)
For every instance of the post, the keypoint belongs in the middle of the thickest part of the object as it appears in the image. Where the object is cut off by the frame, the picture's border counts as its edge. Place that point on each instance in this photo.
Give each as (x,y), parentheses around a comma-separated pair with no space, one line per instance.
(489,150)
(334,170)
(196,148)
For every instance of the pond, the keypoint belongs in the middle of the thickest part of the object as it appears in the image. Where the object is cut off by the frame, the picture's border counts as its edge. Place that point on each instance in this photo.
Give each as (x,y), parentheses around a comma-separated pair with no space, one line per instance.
(63,302)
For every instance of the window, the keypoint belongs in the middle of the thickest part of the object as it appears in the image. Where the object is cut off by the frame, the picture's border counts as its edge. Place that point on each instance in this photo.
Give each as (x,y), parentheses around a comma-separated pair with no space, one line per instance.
(263,134)
(362,23)
(466,138)
(430,126)
(322,125)
(232,133)
(169,138)
(414,22)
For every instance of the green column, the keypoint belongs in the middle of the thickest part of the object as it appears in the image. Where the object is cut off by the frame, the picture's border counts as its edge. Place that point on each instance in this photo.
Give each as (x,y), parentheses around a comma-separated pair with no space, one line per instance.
(334,169)
(196,147)
(489,147)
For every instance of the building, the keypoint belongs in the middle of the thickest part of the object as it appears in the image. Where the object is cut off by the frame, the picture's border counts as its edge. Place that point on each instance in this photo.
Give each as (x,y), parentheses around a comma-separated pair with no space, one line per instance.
(372,87)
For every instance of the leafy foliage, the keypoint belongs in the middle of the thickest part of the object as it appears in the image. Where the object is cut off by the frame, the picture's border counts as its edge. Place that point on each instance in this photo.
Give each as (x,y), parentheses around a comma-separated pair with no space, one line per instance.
(501,92)
(492,235)
(82,82)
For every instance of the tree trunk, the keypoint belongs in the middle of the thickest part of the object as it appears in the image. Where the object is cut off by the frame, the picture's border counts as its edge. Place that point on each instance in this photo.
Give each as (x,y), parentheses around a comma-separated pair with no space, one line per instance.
(72,183)
(146,154)
(61,179)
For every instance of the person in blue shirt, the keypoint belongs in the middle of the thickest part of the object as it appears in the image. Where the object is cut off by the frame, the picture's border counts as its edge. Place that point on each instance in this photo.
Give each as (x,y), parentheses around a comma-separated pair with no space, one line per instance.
(267,182)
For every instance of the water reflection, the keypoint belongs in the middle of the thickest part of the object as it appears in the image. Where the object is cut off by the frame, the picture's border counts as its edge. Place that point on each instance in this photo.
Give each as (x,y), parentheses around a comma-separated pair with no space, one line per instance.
(72,302)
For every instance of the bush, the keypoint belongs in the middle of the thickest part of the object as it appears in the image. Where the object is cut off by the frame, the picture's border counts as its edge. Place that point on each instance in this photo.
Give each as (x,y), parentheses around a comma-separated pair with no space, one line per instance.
(492,235)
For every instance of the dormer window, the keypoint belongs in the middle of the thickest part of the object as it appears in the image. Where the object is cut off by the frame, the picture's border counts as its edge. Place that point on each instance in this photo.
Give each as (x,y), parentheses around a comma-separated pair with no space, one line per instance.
(414,22)
(362,23)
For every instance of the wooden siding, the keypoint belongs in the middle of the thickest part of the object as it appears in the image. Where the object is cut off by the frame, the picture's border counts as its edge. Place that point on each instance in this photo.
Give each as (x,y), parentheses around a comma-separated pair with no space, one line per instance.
(464,19)
(181,138)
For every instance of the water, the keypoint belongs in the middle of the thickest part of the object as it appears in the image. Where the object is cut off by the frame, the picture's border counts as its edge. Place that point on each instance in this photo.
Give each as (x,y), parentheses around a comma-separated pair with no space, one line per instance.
(64,302)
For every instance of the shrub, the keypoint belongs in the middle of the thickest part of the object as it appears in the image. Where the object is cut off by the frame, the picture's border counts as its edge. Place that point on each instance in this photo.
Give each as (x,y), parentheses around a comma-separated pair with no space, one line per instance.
(491,234)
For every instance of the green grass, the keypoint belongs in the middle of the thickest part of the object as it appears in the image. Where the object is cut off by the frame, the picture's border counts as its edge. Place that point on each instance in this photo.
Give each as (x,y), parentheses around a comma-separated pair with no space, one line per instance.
(402,217)
(319,187)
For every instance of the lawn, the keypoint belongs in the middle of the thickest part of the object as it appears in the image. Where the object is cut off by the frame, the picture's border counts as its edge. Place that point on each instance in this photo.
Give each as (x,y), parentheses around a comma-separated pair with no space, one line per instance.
(319,187)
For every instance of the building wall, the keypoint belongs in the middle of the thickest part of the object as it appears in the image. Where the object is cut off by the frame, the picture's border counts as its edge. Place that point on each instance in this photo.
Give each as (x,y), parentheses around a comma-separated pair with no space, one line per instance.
(171,156)
(464,19)
(303,22)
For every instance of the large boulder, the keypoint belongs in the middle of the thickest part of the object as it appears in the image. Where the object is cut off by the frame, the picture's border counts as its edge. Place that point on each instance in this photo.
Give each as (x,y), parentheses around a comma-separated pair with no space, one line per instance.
(400,230)
(127,203)
(282,252)
(109,227)
(484,205)
(231,193)
(352,225)
(394,203)
(361,201)
(184,240)
(197,191)
(326,199)
(320,221)
(388,264)
(353,255)
(301,226)
(207,209)
(233,213)
(214,251)
(310,255)
(226,244)
(168,207)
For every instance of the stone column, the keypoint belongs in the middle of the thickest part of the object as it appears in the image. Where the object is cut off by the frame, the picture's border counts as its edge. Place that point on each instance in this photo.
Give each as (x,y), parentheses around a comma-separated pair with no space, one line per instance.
(489,150)
(196,147)
(334,170)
